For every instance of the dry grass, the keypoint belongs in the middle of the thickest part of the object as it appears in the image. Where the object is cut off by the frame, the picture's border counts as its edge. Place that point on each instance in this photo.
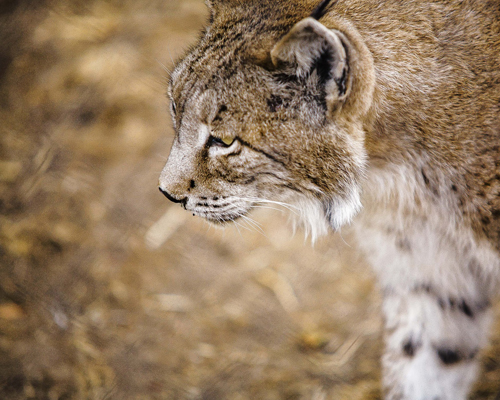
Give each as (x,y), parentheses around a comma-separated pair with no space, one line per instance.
(107,291)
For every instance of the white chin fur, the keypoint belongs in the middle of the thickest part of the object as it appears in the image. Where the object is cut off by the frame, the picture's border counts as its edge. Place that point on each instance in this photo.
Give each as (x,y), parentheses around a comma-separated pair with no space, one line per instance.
(311,217)
(316,219)
(342,211)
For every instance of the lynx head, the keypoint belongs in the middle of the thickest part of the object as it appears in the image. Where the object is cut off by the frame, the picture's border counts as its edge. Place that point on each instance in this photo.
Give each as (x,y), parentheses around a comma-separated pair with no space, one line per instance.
(269,106)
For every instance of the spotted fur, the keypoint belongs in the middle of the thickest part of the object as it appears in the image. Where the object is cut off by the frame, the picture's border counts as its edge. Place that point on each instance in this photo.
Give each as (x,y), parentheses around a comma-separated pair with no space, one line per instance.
(383,114)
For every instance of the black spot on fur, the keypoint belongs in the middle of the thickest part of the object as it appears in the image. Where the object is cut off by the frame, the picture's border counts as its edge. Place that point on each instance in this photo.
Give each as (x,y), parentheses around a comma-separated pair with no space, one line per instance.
(426,180)
(441,303)
(404,244)
(454,188)
(410,348)
(432,188)
(275,103)
(449,356)
(86,117)
(192,185)
(423,287)
(464,307)
(222,109)
(470,310)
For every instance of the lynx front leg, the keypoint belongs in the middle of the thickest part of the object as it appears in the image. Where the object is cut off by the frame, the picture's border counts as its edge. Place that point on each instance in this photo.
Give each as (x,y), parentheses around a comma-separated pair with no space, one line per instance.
(432,342)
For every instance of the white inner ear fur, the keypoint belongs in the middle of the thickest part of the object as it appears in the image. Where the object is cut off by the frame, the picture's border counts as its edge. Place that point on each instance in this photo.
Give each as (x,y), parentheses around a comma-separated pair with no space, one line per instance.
(305,43)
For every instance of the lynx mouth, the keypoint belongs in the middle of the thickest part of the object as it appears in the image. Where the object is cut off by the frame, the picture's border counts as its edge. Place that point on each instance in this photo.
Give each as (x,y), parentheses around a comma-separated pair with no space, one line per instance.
(219,210)
(221,219)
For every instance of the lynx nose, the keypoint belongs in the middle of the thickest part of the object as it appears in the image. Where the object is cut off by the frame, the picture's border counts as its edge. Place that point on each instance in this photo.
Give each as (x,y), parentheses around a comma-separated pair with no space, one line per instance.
(172,198)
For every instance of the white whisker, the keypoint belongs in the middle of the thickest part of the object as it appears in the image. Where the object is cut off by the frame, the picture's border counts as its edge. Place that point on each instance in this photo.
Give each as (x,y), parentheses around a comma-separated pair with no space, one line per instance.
(236,225)
(243,226)
(267,207)
(256,226)
(289,207)
(261,200)
(339,231)
(252,221)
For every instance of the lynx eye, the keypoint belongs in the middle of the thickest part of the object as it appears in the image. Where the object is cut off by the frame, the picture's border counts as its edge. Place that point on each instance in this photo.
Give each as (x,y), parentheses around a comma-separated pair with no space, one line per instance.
(221,142)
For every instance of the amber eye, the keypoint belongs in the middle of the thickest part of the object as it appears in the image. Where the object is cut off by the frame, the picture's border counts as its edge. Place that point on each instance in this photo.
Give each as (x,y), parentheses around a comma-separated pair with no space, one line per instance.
(221,142)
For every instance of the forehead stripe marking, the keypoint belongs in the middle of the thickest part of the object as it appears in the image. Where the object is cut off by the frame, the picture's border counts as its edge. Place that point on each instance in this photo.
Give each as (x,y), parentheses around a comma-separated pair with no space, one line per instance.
(200,57)
(218,41)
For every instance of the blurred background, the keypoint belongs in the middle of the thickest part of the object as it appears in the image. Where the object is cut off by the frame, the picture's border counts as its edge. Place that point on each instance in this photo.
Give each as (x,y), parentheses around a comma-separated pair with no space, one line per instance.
(108,291)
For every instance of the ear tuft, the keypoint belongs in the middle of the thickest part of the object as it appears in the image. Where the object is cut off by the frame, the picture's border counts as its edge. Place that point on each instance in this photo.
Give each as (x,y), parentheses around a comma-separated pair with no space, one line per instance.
(320,10)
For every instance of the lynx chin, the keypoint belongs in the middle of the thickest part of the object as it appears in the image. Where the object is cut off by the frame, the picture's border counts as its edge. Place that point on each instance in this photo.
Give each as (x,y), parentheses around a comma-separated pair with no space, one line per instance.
(384,115)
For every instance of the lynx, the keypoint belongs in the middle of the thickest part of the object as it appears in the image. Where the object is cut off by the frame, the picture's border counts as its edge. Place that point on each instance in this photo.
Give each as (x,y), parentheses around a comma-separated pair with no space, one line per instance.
(384,115)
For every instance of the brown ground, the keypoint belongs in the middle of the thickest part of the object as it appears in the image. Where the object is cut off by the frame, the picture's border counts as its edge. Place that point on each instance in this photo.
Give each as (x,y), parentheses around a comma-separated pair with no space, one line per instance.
(109,292)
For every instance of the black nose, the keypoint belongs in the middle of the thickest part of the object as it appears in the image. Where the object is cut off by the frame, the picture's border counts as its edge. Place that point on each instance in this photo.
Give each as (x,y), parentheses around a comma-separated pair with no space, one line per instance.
(171,198)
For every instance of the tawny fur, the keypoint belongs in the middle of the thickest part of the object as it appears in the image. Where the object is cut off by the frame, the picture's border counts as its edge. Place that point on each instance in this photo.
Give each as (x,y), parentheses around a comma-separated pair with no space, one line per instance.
(388,107)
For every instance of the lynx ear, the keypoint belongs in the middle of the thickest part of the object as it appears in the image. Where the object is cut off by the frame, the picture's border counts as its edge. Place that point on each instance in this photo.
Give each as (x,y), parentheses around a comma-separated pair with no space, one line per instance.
(309,47)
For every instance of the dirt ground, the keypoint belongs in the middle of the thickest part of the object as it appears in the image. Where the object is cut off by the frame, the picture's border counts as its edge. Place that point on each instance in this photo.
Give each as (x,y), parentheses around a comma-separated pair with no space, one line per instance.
(107,291)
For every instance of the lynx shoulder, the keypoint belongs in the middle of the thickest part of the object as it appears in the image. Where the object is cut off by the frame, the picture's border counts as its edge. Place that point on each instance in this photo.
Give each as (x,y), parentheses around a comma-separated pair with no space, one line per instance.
(381,115)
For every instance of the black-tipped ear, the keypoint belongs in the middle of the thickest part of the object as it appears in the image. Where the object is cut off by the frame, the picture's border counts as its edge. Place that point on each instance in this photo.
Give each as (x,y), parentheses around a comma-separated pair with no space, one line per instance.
(309,47)
(320,10)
